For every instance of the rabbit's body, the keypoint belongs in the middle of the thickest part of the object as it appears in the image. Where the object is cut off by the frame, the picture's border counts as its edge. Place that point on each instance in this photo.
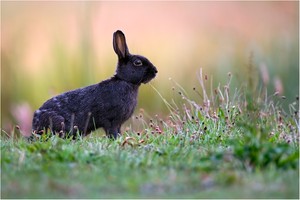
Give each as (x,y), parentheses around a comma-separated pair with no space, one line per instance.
(76,108)
(107,104)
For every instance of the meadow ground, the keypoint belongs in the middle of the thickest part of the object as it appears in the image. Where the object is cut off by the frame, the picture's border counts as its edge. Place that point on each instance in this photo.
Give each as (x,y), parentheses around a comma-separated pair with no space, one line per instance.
(235,143)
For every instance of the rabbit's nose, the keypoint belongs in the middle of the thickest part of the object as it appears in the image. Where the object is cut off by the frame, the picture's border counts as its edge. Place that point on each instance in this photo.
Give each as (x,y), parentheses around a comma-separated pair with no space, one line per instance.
(155,70)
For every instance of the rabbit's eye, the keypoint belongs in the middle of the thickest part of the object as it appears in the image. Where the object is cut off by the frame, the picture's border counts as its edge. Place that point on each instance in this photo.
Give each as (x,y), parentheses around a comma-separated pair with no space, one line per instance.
(138,62)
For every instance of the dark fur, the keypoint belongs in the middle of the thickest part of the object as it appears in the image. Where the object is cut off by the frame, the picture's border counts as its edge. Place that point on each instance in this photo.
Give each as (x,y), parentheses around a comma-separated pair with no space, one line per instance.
(107,104)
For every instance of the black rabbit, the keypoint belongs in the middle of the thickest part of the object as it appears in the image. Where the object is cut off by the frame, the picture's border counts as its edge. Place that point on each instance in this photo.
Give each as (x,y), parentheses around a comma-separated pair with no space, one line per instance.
(107,104)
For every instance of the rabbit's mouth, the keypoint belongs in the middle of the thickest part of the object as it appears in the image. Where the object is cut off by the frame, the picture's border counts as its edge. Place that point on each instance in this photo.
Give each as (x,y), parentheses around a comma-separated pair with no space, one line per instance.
(151,73)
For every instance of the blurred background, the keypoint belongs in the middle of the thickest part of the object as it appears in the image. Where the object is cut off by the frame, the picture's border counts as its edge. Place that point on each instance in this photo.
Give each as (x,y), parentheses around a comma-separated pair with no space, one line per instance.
(50,47)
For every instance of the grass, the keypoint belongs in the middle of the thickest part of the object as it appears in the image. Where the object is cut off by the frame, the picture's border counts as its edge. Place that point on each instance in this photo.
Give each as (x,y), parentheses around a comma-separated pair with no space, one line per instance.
(230,144)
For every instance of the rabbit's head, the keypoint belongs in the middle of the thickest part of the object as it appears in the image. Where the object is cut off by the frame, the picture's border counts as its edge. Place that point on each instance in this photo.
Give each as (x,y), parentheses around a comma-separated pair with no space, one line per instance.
(131,68)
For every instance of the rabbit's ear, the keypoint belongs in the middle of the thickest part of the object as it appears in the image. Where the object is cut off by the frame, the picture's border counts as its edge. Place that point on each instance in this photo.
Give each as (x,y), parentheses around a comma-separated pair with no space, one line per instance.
(119,43)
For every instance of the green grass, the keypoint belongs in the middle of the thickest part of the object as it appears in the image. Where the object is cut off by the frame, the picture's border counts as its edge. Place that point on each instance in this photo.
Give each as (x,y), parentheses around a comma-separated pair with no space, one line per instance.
(231,144)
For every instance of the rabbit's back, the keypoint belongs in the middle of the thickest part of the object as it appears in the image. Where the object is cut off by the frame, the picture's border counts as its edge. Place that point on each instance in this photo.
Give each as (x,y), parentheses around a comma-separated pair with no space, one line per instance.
(106,104)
